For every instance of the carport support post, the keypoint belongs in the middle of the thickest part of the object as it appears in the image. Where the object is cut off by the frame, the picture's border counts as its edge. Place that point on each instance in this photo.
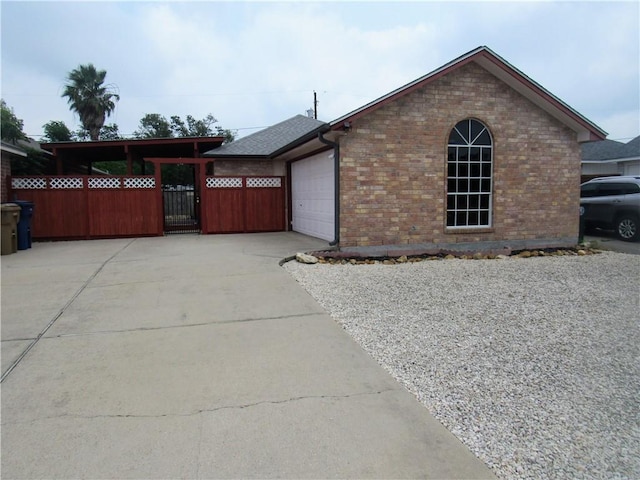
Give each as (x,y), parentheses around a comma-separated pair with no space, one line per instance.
(129,160)
(157,171)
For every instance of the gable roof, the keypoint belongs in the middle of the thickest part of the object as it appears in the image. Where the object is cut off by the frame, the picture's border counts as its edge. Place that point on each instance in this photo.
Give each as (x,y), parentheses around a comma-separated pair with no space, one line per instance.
(598,152)
(500,68)
(272,140)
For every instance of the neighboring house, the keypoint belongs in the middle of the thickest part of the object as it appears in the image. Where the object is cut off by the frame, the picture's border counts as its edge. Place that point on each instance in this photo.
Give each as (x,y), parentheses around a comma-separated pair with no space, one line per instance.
(608,157)
(9,151)
(12,151)
(472,155)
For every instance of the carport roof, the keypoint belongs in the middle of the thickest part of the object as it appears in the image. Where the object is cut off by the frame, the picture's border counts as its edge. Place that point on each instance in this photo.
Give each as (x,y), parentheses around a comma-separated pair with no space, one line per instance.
(107,150)
(269,142)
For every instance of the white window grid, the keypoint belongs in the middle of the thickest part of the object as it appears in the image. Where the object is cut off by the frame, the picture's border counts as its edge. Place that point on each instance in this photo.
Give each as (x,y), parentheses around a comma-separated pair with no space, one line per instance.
(224,182)
(264,182)
(29,183)
(140,182)
(104,182)
(469,184)
(65,183)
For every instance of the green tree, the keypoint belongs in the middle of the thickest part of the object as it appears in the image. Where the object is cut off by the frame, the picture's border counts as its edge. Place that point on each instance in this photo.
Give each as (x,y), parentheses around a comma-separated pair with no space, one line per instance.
(229,135)
(153,125)
(110,132)
(200,128)
(107,132)
(90,98)
(57,131)
(10,125)
(35,163)
(193,127)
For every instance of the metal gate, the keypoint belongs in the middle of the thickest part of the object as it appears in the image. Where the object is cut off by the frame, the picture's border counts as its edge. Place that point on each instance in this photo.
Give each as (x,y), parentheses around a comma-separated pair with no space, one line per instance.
(180,198)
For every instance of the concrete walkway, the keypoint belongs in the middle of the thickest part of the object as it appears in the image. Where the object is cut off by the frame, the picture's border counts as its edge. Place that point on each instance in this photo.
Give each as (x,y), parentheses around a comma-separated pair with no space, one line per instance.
(193,356)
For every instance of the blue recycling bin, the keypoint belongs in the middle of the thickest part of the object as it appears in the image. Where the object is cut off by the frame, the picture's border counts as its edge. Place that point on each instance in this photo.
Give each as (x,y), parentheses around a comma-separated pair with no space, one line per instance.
(24,224)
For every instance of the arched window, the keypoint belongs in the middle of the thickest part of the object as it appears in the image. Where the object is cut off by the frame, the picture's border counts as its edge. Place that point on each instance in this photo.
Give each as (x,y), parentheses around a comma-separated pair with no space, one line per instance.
(469,175)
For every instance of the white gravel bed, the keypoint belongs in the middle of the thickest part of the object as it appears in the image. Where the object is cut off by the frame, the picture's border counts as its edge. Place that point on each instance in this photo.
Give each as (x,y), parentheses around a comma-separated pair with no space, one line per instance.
(533,363)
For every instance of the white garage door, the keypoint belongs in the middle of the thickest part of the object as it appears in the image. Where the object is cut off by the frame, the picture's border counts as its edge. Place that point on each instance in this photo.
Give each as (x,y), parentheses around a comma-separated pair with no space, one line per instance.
(312,196)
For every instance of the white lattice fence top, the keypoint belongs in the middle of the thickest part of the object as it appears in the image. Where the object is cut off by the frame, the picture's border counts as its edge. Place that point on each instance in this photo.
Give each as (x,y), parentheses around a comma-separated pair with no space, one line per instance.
(224,182)
(104,182)
(264,182)
(140,182)
(65,182)
(28,183)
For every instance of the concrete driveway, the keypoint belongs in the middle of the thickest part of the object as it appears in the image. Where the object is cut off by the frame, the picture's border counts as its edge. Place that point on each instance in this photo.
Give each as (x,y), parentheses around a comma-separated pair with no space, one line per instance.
(196,357)
(607,240)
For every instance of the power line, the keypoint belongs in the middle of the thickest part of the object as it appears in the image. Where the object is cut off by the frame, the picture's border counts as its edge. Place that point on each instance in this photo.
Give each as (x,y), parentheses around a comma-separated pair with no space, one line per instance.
(212,94)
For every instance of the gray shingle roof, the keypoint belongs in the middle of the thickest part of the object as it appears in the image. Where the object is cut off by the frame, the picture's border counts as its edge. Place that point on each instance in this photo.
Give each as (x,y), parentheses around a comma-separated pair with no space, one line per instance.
(269,141)
(610,149)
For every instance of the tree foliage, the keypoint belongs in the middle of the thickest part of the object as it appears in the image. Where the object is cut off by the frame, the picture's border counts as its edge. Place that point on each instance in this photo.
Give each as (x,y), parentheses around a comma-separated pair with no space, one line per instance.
(110,132)
(90,98)
(155,125)
(10,125)
(57,131)
(35,163)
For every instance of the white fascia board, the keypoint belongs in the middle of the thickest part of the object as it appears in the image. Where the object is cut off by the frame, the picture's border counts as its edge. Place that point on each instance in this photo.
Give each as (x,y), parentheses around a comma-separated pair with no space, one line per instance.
(13,150)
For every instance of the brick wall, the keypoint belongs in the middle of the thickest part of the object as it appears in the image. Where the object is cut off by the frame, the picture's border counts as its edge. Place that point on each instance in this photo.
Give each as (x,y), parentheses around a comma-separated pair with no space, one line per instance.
(5,167)
(393,167)
(244,167)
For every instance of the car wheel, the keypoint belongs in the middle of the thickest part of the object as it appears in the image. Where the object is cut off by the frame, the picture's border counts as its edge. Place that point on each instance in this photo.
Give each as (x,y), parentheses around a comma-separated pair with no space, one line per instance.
(627,228)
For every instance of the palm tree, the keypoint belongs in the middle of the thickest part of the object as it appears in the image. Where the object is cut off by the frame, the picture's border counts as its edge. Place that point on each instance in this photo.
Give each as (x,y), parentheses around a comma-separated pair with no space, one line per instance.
(89,98)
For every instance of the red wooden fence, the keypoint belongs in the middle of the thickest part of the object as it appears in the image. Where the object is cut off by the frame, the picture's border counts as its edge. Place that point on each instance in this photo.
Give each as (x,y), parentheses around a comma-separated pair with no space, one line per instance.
(81,206)
(90,207)
(243,204)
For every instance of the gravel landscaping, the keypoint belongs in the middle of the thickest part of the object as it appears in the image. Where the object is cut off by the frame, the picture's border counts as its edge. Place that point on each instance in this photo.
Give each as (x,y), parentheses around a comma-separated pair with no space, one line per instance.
(533,363)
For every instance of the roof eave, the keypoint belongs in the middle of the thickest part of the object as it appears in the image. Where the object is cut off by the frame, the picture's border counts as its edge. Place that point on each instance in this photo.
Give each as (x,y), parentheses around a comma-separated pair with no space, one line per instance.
(325,127)
(213,155)
(613,160)
(13,150)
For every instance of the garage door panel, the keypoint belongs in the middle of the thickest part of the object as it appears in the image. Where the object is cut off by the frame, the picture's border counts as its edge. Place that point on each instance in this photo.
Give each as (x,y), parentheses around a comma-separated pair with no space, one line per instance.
(313,194)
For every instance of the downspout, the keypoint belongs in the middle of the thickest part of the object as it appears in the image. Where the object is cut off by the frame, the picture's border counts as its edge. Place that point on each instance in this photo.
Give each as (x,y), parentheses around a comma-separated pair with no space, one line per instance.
(336,179)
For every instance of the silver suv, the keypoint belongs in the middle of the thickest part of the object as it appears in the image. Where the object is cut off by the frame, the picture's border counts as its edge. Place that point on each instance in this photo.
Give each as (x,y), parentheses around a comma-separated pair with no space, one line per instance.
(612,203)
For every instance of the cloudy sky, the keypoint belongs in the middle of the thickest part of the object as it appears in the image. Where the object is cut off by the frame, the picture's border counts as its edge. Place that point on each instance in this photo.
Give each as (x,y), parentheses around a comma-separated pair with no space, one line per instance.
(253,64)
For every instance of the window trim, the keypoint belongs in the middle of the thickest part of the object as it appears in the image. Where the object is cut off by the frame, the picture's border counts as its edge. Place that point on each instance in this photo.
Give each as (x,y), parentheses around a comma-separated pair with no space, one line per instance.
(466,167)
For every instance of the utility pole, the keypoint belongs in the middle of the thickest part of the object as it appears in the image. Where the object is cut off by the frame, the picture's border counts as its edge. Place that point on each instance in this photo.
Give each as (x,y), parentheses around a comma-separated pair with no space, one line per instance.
(315,105)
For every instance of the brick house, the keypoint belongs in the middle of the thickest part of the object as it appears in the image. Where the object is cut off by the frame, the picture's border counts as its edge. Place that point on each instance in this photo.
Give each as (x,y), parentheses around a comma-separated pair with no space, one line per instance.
(472,155)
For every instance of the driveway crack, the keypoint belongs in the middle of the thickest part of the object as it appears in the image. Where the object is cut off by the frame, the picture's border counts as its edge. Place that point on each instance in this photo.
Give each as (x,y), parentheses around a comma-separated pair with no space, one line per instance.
(186,325)
(60,312)
(210,410)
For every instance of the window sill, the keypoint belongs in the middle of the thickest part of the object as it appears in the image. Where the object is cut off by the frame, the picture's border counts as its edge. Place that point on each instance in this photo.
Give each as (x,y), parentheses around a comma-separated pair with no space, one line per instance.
(468,230)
